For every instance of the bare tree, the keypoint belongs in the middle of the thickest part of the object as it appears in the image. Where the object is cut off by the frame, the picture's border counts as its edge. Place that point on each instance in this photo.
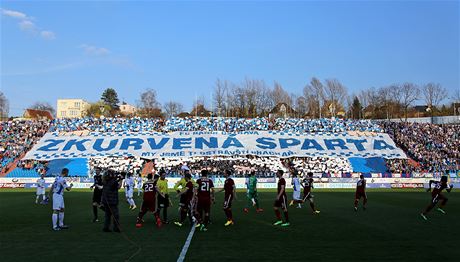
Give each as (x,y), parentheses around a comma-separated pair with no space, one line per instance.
(220,90)
(301,106)
(279,95)
(408,92)
(45,106)
(433,93)
(149,103)
(315,94)
(173,108)
(335,93)
(4,106)
(385,97)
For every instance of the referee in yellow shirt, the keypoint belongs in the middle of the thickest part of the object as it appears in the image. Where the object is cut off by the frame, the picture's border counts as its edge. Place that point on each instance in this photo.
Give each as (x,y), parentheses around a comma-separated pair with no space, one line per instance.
(163,202)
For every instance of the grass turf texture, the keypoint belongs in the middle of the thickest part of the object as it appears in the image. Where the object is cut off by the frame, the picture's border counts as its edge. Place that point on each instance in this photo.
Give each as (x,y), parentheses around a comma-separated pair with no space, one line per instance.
(391,229)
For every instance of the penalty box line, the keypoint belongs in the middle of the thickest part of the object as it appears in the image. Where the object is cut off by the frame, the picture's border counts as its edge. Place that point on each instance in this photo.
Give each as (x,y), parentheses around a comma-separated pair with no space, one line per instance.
(186,245)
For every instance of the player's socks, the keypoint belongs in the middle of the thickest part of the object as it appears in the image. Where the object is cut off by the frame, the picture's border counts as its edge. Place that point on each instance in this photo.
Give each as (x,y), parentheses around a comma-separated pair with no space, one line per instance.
(286,216)
(278,215)
(95,212)
(423,216)
(55,220)
(183,215)
(441,210)
(36,199)
(61,219)
(159,222)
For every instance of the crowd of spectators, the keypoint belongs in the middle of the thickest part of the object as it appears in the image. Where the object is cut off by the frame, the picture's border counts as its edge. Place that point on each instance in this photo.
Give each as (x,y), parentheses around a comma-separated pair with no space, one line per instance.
(17,137)
(434,148)
(431,148)
(136,124)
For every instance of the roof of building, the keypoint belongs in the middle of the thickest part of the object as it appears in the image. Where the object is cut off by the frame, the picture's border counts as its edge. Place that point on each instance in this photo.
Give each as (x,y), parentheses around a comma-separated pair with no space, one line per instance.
(38,114)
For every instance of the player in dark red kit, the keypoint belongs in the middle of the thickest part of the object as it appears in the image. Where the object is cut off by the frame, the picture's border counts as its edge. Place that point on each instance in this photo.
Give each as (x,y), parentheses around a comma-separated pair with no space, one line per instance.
(149,201)
(230,194)
(281,201)
(360,192)
(186,195)
(436,196)
(307,184)
(205,195)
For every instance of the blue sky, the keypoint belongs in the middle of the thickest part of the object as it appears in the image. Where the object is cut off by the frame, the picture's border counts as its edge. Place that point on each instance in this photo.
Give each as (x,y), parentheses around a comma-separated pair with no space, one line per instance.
(53,50)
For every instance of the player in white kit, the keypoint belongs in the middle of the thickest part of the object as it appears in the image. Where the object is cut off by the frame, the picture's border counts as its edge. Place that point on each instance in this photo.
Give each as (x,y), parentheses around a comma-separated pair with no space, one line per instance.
(40,188)
(129,190)
(58,200)
(296,187)
(139,185)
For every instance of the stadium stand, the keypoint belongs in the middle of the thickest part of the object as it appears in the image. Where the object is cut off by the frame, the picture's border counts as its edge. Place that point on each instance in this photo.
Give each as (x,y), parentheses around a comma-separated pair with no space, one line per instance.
(431,148)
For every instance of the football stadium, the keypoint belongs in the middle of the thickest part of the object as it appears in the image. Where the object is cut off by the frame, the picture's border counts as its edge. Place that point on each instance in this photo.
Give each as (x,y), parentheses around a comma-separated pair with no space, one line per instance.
(237,170)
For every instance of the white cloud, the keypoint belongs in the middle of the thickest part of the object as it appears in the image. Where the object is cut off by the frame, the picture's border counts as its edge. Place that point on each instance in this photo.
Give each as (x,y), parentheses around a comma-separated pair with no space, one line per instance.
(15,14)
(94,50)
(48,35)
(27,25)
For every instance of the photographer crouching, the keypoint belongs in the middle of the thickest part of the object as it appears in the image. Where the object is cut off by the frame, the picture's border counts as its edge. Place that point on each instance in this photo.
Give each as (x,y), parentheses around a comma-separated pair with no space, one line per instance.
(111,183)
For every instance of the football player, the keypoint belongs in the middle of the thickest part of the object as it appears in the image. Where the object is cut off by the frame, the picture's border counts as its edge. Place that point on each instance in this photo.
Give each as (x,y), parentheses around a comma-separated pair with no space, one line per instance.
(57,189)
(360,192)
(281,201)
(436,196)
(307,195)
(205,196)
(149,201)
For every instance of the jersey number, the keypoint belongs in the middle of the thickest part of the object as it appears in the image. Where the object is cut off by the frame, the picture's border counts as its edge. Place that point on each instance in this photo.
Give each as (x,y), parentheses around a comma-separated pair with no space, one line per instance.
(149,188)
(205,186)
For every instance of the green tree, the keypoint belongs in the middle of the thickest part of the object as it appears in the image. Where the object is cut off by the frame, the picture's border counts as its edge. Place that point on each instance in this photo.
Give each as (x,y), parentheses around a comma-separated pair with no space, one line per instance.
(356,108)
(110,97)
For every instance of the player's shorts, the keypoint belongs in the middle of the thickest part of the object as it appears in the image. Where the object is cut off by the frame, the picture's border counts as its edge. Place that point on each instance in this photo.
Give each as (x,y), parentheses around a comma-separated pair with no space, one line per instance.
(148,206)
(228,201)
(296,195)
(40,191)
(97,196)
(129,193)
(252,195)
(204,205)
(163,201)
(307,195)
(282,202)
(58,201)
(183,201)
(359,195)
(436,197)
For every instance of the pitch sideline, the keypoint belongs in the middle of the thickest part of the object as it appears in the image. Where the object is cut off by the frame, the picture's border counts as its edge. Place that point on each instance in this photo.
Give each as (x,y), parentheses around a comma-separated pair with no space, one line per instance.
(186,245)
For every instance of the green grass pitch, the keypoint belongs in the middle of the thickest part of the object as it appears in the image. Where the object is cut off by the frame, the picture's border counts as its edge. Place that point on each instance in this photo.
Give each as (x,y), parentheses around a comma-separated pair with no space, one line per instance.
(391,229)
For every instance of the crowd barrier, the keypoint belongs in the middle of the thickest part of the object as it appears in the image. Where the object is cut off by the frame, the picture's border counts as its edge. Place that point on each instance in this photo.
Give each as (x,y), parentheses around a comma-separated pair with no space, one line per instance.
(240,183)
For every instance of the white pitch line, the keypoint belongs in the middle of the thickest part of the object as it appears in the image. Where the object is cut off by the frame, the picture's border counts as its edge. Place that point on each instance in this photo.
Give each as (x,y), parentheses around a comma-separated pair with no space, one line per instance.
(186,245)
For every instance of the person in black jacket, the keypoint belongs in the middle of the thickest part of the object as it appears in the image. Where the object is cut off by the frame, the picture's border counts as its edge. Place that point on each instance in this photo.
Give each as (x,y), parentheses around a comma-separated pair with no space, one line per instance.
(97,193)
(111,183)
